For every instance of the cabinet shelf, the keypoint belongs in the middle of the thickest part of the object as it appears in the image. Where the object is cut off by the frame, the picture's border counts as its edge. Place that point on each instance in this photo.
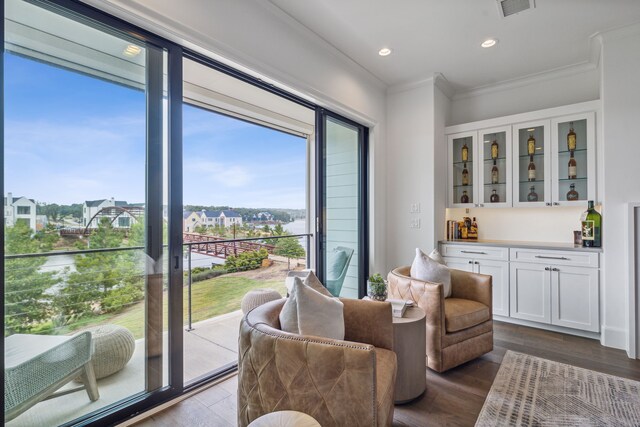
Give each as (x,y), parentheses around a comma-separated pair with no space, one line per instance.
(573,179)
(460,163)
(522,156)
(470,186)
(500,183)
(497,158)
(532,182)
(580,150)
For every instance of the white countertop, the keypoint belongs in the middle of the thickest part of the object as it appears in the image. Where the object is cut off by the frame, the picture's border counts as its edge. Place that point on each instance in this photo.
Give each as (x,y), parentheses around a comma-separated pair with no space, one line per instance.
(522,244)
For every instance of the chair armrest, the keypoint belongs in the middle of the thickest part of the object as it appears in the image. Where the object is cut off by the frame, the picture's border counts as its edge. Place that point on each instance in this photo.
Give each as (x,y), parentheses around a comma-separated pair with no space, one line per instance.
(320,377)
(472,286)
(368,322)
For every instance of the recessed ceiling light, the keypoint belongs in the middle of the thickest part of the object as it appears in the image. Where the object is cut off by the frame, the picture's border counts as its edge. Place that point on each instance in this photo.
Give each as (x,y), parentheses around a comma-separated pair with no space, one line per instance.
(385,51)
(132,50)
(489,42)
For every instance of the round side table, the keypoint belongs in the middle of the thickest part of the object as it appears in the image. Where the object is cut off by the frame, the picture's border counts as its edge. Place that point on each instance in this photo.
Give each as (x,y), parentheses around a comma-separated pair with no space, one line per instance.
(409,344)
(256,297)
(285,419)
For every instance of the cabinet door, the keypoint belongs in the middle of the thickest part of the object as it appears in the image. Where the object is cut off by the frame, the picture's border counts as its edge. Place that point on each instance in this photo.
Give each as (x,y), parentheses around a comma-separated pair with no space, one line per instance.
(462,165)
(499,271)
(494,167)
(574,298)
(459,264)
(531,145)
(582,158)
(530,292)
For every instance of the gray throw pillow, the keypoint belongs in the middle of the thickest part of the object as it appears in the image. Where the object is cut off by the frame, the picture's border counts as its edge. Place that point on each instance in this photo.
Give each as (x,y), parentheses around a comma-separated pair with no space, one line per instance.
(424,268)
(335,264)
(308,312)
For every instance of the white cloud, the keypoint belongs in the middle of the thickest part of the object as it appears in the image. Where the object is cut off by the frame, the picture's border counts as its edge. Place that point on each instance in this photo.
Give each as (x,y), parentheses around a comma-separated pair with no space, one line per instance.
(226,175)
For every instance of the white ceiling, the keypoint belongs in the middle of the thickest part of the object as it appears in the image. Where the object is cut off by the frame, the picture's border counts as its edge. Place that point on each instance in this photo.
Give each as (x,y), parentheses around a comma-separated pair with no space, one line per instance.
(430,36)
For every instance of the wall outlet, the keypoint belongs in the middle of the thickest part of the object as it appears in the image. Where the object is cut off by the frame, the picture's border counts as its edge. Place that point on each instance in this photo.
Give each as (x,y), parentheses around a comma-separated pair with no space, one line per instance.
(414,223)
(414,208)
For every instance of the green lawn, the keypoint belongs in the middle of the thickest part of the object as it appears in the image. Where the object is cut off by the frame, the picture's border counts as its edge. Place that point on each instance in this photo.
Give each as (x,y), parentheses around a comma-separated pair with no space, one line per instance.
(209,298)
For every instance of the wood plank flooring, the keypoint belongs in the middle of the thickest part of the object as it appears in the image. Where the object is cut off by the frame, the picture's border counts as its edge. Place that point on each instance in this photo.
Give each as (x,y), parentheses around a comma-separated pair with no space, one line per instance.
(453,398)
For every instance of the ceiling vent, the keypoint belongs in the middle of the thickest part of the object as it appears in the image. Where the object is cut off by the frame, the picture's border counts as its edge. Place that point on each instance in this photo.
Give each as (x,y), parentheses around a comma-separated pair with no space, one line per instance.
(511,7)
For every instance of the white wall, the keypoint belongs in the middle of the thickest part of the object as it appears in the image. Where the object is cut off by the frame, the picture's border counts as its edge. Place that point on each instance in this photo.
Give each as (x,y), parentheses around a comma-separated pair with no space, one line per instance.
(412,165)
(621,111)
(569,86)
(258,38)
(525,224)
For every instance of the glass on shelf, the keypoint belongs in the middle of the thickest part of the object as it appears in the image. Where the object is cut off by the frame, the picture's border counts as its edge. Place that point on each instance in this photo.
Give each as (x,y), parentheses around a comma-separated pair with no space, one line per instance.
(532,196)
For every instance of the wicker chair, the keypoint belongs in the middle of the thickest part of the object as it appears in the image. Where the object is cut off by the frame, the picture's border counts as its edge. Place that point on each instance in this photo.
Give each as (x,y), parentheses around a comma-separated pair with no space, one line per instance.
(38,377)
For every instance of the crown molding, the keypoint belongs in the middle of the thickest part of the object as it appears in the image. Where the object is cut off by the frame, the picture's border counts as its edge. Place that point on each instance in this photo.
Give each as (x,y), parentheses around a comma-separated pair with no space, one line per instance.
(619,33)
(566,71)
(437,79)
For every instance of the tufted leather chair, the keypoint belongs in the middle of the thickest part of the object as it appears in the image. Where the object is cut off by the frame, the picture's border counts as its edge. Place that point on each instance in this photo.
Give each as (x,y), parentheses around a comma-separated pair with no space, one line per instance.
(459,328)
(339,383)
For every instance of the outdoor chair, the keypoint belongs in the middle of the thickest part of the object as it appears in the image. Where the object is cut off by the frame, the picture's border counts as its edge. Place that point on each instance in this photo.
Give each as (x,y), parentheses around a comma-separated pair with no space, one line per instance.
(337,267)
(33,373)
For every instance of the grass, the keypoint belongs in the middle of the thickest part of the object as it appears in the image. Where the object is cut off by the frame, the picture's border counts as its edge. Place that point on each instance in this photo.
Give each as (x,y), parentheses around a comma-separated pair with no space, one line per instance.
(209,298)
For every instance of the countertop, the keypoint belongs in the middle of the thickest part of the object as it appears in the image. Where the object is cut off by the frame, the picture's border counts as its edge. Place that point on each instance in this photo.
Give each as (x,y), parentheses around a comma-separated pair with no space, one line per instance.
(522,244)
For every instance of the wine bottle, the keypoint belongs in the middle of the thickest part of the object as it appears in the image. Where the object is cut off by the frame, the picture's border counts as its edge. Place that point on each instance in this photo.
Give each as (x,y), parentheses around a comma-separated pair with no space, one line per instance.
(494,173)
(532,196)
(572,167)
(495,198)
(465,197)
(465,153)
(572,194)
(494,150)
(571,138)
(465,175)
(532,169)
(592,228)
(531,145)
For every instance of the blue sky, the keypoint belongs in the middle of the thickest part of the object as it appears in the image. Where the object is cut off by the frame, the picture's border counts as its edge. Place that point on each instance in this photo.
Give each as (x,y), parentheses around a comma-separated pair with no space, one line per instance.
(70,138)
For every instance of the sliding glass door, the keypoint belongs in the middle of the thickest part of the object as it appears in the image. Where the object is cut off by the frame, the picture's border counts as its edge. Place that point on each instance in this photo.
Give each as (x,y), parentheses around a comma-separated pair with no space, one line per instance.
(342,204)
(87,257)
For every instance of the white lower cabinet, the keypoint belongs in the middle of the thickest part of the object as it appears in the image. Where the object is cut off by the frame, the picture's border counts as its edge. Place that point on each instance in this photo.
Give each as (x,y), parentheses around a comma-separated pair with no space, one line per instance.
(552,287)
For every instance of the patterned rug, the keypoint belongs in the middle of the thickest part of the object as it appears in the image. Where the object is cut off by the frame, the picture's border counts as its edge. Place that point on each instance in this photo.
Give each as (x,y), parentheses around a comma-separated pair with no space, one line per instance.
(530,391)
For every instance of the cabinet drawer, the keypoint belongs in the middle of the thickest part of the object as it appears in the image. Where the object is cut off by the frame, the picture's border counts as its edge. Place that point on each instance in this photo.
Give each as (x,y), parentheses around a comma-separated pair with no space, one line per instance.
(573,258)
(475,252)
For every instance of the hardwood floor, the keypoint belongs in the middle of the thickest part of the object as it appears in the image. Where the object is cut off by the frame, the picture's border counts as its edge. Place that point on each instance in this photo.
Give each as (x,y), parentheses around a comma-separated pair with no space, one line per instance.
(453,398)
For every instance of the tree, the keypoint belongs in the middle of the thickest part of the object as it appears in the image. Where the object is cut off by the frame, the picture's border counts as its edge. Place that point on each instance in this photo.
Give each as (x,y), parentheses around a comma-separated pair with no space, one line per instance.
(278,230)
(26,304)
(289,247)
(266,229)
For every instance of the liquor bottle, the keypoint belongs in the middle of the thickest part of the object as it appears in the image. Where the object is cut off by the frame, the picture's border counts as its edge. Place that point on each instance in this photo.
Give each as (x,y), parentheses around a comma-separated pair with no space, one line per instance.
(571,138)
(494,197)
(473,231)
(532,169)
(531,145)
(494,150)
(465,175)
(465,197)
(494,173)
(532,196)
(592,228)
(572,194)
(465,153)
(572,166)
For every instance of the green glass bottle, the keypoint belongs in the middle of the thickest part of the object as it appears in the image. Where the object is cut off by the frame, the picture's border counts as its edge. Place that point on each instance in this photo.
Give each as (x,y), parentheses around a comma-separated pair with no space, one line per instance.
(592,228)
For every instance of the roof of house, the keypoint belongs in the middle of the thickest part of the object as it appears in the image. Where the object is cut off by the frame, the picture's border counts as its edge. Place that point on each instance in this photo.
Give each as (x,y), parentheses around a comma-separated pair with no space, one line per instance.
(119,203)
(186,214)
(216,214)
(15,199)
(211,214)
(231,214)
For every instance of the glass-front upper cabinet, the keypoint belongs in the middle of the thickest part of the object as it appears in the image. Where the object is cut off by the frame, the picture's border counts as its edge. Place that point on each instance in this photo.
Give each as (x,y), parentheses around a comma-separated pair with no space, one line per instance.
(532,164)
(573,166)
(494,150)
(462,165)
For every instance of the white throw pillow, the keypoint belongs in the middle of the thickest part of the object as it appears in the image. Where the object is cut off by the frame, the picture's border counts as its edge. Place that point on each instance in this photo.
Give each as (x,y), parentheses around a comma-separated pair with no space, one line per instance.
(424,268)
(309,278)
(437,257)
(316,314)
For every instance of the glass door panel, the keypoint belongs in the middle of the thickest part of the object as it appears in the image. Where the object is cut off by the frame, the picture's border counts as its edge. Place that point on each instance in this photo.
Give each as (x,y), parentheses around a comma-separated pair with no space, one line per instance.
(573,168)
(83,156)
(462,169)
(495,151)
(532,164)
(342,207)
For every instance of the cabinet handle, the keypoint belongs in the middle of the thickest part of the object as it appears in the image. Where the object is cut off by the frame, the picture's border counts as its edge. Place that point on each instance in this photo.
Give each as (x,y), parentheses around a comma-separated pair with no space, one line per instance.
(556,204)
(473,252)
(548,204)
(476,262)
(470,262)
(482,205)
(555,269)
(553,257)
(547,268)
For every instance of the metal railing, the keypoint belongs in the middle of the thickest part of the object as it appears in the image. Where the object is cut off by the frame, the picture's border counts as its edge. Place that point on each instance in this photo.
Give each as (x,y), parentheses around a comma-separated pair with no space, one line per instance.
(190,250)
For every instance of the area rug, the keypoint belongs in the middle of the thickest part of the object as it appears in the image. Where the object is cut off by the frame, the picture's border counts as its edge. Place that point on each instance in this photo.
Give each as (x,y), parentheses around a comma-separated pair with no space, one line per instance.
(530,391)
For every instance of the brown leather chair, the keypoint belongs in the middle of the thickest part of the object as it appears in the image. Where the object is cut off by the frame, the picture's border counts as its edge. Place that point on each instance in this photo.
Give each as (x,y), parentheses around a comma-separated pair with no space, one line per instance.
(459,328)
(339,383)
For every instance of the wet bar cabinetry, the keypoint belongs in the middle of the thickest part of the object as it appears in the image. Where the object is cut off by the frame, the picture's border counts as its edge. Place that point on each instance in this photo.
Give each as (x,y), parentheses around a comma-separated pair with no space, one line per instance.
(544,158)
